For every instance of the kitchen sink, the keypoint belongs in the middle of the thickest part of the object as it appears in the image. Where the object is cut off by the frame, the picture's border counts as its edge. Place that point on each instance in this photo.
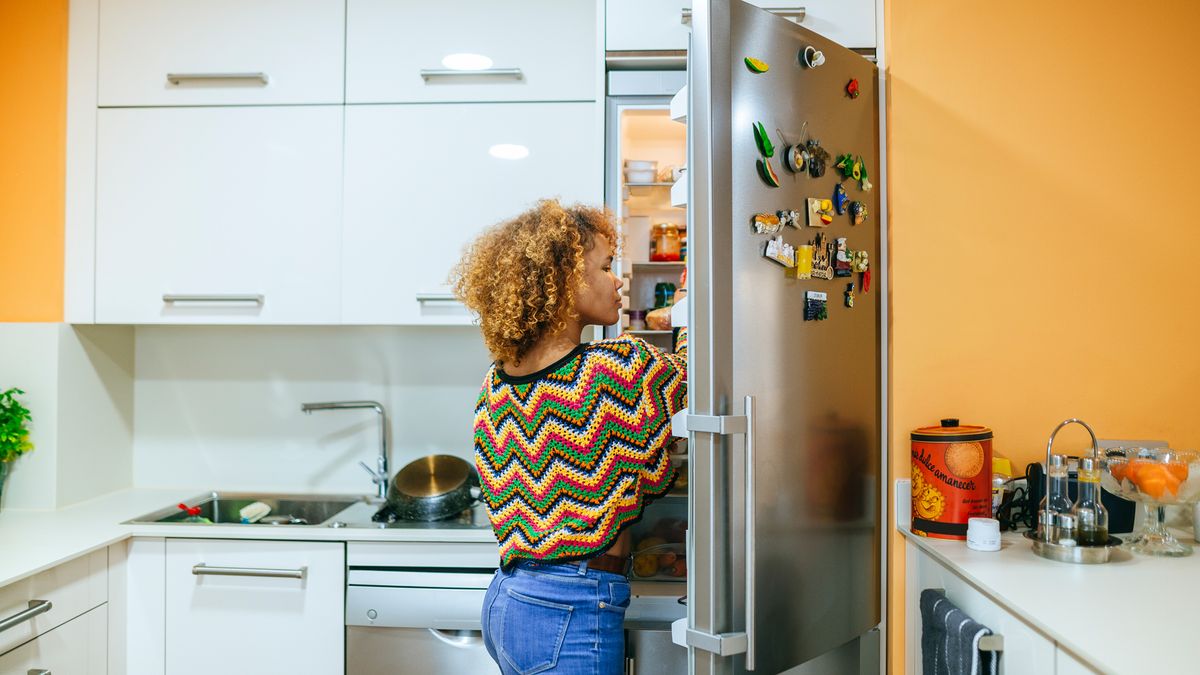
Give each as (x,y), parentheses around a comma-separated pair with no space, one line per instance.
(222,508)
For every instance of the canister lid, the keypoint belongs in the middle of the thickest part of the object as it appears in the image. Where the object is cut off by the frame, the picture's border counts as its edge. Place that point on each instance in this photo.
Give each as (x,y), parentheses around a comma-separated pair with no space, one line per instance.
(950,431)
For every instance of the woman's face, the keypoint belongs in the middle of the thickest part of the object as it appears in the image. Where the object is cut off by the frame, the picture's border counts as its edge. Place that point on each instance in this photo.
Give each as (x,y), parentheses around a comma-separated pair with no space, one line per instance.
(599,301)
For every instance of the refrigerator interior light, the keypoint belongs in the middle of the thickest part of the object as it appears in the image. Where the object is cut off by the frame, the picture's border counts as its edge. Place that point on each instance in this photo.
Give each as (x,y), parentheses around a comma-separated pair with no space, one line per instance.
(466,62)
(508,151)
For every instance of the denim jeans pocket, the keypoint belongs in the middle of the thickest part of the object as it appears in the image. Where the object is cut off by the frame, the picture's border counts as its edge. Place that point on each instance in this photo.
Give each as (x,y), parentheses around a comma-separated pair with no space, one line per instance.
(533,631)
(619,595)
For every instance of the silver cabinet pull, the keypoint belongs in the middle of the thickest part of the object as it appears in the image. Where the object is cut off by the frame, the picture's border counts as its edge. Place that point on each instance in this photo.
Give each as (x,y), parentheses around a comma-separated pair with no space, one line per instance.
(428,74)
(749,533)
(436,297)
(38,671)
(796,15)
(268,572)
(180,78)
(35,607)
(175,298)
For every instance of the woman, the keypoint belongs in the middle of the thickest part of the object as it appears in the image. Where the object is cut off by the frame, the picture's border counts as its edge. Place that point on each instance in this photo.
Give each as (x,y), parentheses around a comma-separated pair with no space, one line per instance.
(570,438)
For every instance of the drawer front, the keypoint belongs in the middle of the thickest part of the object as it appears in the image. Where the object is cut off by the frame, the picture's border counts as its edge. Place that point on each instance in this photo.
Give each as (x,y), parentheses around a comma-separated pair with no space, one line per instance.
(78,647)
(395,48)
(376,651)
(239,205)
(420,184)
(71,588)
(224,616)
(213,52)
(401,607)
(637,25)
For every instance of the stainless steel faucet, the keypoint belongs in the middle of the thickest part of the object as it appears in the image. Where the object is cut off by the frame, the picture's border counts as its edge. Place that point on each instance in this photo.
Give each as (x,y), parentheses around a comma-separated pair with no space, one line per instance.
(379,476)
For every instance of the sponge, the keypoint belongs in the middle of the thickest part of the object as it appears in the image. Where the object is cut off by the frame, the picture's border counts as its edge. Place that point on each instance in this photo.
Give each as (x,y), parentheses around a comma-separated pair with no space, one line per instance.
(252,513)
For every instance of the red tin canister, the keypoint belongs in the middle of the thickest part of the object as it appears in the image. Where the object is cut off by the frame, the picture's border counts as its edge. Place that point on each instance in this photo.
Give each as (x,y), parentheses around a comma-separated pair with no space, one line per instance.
(951,478)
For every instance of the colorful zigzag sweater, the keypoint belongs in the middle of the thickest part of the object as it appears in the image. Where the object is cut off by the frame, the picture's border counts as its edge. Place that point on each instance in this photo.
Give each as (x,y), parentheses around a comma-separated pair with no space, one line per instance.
(569,456)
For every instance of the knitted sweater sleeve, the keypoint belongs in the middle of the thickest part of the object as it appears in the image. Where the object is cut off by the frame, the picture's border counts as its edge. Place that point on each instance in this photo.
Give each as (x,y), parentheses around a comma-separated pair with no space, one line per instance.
(664,392)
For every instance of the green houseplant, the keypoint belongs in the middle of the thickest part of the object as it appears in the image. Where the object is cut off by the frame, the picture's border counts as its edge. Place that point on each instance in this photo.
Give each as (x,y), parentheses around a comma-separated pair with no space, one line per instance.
(14,432)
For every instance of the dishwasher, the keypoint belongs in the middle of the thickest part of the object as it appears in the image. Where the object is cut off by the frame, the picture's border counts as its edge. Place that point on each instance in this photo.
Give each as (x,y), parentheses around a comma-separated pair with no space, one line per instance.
(413,608)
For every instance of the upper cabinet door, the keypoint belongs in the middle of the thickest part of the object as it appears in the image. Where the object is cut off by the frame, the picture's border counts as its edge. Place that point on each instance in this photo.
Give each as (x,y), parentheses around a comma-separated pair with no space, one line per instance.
(218,215)
(221,52)
(638,25)
(421,183)
(536,50)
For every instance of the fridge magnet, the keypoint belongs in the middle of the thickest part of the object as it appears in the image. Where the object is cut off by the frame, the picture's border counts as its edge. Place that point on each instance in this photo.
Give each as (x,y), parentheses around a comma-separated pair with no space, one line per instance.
(763,141)
(820,212)
(767,223)
(789,217)
(859,262)
(767,173)
(865,280)
(848,167)
(864,183)
(841,259)
(822,257)
(804,263)
(858,213)
(852,88)
(756,66)
(778,250)
(796,158)
(840,199)
(850,294)
(817,157)
(814,306)
(812,56)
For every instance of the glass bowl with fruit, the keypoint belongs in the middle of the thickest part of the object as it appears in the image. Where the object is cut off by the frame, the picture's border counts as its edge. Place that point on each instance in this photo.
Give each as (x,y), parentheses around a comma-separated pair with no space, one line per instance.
(660,561)
(1156,477)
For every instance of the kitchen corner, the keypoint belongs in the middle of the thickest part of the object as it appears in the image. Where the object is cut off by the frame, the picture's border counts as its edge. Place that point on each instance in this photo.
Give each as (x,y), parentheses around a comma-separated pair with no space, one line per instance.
(1057,617)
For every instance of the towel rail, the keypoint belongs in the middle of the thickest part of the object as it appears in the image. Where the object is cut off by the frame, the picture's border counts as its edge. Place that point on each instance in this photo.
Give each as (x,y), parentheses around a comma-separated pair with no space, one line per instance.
(987,643)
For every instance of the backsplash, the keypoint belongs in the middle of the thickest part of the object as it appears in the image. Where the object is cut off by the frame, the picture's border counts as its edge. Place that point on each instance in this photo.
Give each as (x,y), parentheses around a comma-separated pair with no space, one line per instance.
(219,407)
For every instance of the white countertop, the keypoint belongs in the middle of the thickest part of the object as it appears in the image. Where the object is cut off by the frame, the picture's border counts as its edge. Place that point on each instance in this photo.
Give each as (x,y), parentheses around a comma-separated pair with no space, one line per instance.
(1134,614)
(33,541)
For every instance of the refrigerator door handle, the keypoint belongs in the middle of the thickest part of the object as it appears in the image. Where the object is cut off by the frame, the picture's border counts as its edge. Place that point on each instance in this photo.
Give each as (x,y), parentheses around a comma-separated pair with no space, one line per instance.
(749,495)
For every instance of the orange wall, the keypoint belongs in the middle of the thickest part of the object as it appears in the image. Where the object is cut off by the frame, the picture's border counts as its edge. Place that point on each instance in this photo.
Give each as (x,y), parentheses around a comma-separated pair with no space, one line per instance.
(1043,159)
(33,79)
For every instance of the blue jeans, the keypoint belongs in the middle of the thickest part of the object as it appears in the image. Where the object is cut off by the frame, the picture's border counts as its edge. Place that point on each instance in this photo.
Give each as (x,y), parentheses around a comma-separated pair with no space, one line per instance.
(556,618)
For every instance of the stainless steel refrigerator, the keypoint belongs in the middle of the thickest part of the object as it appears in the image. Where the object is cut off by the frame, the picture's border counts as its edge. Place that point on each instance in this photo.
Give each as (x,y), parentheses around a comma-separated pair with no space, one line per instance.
(785,413)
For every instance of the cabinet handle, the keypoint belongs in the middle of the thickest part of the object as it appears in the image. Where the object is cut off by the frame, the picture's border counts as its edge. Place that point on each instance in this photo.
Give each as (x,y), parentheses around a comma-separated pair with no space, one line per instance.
(430,73)
(180,78)
(797,15)
(203,569)
(38,671)
(750,525)
(174,298)
(35,607)
(437,297)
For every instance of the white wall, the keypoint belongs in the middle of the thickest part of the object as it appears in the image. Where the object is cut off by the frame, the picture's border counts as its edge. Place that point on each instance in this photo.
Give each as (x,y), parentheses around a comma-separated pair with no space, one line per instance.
(78,384)
(219,407)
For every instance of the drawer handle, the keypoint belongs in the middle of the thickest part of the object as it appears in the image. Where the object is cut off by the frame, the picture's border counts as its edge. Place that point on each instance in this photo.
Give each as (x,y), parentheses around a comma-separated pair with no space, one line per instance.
(180,78)
(437,297)
(38,671)
(428,74)
(175,299)
(268,572)
(795,15)
(35,607)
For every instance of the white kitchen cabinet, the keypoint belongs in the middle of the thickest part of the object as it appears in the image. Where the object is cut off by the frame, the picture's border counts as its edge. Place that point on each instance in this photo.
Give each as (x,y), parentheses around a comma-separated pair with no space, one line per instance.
(638,25)
(1065,663)
(220,52)
(78,647)
(218,215)
(69,589)
(1026,650)
(420,183)
(254,606)
(540,50)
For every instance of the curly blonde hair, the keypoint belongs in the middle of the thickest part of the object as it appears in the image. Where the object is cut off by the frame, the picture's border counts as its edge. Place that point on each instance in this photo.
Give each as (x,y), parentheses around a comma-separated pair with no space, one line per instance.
(521,275)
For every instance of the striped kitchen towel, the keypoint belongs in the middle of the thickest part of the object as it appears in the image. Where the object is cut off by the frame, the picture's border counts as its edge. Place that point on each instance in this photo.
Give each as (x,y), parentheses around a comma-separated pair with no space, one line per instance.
(950,639)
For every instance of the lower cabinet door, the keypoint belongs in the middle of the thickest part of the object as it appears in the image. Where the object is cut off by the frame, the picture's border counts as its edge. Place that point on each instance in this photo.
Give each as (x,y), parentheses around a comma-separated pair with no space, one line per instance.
(78,647)
(416,651)
(254,607)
